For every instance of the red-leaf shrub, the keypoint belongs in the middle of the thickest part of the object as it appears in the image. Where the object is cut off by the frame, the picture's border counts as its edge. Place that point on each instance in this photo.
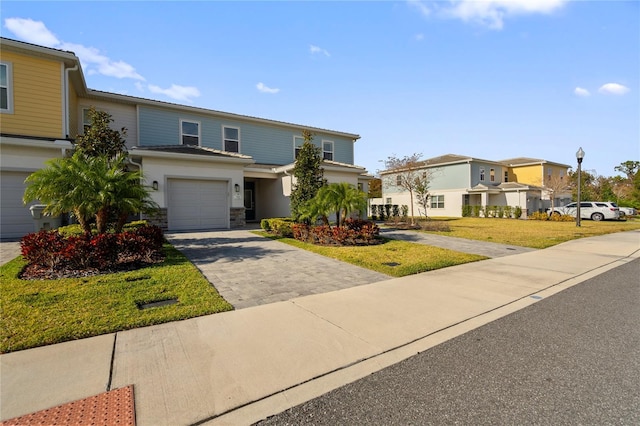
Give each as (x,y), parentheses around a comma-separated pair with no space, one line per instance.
(102,252)
(355,232)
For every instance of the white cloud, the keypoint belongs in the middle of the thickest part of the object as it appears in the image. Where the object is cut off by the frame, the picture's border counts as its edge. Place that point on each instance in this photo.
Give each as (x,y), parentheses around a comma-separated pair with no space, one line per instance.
(315,49)
(93,62)
(179,93)
(264,89)
(31,31)
(492,13)
(613,89)
(419,37)
(579,91)
(420,6)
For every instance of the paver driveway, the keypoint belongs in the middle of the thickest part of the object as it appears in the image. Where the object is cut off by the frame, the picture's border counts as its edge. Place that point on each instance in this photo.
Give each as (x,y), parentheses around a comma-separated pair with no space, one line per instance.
(249,270)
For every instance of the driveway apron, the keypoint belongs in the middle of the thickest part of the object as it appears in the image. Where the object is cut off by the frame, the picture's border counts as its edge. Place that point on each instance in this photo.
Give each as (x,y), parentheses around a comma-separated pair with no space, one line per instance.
(250,270)
(483,248)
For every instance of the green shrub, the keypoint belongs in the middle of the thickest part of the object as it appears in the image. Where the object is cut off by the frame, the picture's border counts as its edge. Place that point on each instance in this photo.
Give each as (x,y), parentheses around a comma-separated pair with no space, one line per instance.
(476,211)
(518,212)
(466,211)
(405,211)
(280,226)
(70,230)
(508,211)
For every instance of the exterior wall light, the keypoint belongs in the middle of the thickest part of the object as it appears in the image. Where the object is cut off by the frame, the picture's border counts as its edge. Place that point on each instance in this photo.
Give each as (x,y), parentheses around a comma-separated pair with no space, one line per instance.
(237,187)
(154,185)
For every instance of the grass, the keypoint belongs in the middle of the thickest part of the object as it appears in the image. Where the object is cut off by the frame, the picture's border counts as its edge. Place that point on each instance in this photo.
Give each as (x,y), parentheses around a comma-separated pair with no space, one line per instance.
(394,258)
(41,312)
(530,233)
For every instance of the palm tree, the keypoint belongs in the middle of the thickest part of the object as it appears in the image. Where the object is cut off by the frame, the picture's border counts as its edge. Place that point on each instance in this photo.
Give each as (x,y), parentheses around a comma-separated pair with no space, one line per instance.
(88,187)
(342,198)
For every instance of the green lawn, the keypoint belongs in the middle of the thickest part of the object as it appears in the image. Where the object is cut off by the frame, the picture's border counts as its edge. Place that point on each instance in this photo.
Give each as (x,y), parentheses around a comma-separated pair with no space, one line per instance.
(41,312)
(395,258)
(529,233)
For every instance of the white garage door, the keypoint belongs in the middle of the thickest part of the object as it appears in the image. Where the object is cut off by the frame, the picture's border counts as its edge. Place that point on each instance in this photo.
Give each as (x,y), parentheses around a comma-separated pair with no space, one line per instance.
(15,217)
(197,204)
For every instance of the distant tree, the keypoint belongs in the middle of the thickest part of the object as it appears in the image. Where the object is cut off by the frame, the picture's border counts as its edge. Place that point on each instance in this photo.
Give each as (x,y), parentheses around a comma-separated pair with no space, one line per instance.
(423,195)
(99,138)
(375,188)
(409,173)
(629,168)
(556,185)
(308,174)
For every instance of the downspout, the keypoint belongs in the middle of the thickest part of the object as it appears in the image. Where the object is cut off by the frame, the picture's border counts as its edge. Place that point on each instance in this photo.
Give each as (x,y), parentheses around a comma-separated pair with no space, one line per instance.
(66,99)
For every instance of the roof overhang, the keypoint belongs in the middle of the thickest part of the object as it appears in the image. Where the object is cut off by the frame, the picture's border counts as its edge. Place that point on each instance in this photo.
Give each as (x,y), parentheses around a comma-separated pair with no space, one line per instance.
(228,159)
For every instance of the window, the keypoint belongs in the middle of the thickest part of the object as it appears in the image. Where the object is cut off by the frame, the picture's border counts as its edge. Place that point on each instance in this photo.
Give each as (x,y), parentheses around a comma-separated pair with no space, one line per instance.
(86,120)
(482,173)
(398,180)
(388,200)
(549,171)
(506,176)
(327,150)
(492,175)
(561,174)
(6,88)
(190,132)
(298,141)
(437,201)
(231,139)
(360,186)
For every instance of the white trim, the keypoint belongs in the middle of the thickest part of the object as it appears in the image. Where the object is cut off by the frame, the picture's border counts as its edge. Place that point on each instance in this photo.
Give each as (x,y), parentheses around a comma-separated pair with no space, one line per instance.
(191,157)
(224,139)
(184,120)
(332,150)
(9,87)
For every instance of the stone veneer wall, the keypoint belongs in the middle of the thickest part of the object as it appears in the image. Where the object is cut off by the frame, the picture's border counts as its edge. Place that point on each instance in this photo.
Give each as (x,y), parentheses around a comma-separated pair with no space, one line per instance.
(237,217)
(158,219)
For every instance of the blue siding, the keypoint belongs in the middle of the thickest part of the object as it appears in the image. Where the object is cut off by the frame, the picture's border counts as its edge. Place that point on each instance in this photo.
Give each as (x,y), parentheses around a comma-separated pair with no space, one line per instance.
(452,176)
(475,173)
(266,144)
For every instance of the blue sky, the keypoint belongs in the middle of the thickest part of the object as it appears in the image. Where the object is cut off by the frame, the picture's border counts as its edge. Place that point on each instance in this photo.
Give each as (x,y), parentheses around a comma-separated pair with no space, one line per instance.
(488,79)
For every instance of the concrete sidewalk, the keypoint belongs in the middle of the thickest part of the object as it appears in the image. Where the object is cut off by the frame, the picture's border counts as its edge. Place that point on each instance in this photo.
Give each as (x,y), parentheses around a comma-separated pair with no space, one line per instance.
(239,367)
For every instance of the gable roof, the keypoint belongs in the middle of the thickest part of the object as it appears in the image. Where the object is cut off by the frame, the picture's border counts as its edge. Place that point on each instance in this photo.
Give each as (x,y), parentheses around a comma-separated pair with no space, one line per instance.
(527,161)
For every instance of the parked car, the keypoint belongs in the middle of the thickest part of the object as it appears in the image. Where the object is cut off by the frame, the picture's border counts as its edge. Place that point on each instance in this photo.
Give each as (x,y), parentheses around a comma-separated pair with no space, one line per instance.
(627,211)
(594,210)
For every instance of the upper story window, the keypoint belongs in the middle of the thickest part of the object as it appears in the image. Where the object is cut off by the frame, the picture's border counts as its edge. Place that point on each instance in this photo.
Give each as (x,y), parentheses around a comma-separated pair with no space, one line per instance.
(492,175)
(482,173)
(189,132)
(327,150)
(6,88)
(298,141)
(398,180)
(549,172)
(561,174)
(506,176)
(231,139)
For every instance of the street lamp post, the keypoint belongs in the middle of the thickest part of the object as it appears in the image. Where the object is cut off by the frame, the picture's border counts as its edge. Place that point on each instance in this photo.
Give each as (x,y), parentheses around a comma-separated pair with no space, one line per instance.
(579,157)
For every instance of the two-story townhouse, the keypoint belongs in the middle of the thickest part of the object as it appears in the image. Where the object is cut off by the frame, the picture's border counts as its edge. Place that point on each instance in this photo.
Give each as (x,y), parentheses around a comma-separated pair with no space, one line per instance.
(37,85)
(552,177)
(456,181)
(207,169)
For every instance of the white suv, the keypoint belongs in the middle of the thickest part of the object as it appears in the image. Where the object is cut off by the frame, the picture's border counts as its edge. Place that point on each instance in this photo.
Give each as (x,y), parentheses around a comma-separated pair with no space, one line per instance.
(594,210)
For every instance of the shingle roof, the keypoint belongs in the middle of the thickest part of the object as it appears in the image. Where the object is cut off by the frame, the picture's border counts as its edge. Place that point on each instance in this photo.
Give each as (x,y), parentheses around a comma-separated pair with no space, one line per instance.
(190,149)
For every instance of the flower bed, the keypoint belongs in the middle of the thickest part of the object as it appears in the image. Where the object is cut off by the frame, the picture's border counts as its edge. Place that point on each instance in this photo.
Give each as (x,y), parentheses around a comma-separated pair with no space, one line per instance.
(354,232)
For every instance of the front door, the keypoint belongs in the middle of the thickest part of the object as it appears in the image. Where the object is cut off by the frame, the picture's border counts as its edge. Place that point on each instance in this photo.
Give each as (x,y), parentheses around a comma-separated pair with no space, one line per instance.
(249,201)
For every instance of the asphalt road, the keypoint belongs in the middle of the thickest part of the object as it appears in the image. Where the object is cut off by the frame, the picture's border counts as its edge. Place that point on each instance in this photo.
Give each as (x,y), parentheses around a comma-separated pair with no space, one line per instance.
(573,358)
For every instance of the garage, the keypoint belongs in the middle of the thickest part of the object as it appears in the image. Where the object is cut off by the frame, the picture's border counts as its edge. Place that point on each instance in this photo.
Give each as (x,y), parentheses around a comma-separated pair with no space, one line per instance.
(195,204)
(15,217)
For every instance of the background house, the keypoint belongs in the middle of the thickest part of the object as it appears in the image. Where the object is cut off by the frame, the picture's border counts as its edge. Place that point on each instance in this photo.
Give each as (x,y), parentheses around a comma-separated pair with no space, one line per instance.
(212,169)
(456,181)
